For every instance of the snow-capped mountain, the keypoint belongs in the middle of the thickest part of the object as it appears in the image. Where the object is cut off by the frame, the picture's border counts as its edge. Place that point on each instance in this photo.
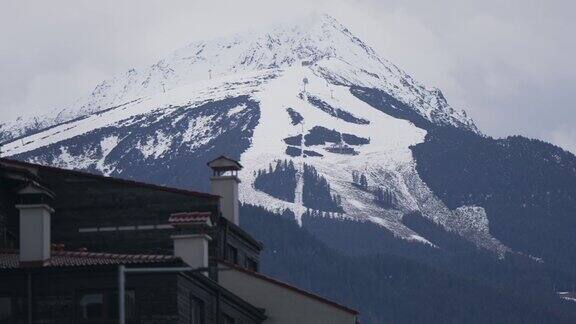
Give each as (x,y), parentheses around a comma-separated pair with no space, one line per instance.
(319,41)
(371,164)
(309,94)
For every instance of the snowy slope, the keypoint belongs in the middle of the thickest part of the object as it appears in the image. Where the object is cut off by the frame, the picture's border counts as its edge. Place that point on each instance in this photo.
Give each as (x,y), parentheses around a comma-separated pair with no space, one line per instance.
(232,95)
(319,40)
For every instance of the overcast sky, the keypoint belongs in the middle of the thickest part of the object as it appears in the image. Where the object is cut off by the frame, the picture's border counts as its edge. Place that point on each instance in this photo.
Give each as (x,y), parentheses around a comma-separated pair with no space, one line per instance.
(510,64)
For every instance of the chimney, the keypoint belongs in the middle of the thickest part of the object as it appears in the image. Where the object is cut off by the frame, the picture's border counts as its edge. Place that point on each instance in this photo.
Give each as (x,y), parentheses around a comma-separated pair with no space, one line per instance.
(191,241)
(35,217)
(224,182)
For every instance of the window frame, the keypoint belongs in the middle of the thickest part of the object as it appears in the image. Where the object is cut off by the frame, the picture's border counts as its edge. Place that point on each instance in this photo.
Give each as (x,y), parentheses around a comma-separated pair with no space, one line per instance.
(197,309)
(251,264)
(79,315)
(232,253)
(110,298)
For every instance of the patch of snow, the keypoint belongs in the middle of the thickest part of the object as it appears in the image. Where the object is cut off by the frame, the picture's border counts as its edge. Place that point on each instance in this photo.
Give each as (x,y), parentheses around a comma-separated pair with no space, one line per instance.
(235,110)
(155,146)
(418,238)
(384,152)
(106,146)
(567,295)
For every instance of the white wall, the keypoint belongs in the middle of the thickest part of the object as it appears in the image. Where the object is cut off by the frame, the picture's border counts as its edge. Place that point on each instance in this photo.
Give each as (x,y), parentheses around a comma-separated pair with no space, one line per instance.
(227,188)
(282,305)
(35,236)
(192,249)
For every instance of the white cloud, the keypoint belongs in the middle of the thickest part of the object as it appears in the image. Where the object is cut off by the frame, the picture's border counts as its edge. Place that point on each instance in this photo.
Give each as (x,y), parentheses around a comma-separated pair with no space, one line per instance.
(563,136)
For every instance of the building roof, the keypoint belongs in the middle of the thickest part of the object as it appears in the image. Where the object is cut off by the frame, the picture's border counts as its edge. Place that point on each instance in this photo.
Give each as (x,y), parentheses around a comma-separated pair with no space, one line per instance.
(10,259)
(9,164)
(289,287)
(224,163)
(240,232)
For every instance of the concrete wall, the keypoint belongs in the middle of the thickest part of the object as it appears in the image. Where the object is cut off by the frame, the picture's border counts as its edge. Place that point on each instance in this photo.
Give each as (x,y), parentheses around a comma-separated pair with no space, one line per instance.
(192,249)
(283,305)
(35,238)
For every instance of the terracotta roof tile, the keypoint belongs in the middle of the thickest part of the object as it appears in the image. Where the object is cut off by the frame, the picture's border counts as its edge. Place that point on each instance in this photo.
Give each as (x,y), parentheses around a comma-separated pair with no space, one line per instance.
(189,218)
(9,259)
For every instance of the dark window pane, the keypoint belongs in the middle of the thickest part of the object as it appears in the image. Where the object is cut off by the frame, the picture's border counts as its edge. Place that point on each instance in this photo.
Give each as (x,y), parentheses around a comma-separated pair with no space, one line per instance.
(91,306)
(251,264)
(52,309)
(196,310)
(232,253)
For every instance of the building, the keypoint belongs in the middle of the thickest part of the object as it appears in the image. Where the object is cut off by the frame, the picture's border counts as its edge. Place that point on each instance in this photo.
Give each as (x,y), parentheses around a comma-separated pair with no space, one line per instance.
(66,235)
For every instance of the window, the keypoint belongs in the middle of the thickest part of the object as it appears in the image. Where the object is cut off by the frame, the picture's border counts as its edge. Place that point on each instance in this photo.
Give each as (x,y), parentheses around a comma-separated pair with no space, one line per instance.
(91,306)
(98,305)
(251,264)
(5,309)
(196,310)
(232,254)
(52,308)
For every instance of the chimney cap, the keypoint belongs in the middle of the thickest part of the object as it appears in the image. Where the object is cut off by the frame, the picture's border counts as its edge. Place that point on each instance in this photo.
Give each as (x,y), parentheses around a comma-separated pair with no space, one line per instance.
(223,163)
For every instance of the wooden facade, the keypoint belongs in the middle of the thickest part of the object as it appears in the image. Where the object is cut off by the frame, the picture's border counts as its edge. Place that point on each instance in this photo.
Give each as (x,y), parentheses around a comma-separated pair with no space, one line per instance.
(89,295)
(106,215)
(103,214)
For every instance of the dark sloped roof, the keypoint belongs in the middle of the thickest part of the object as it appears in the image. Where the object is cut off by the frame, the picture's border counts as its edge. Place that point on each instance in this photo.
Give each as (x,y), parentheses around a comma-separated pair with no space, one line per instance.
(104,178)
(242,233)
(225,163)
(21,170)
(9,259)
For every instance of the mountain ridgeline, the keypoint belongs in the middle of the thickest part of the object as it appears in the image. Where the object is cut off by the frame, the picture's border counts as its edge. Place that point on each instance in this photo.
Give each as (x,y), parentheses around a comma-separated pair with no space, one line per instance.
(394,202)
(528,187)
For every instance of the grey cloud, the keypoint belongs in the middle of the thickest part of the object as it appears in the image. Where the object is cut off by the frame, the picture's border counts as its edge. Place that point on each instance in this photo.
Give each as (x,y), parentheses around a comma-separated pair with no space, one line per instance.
(508,63)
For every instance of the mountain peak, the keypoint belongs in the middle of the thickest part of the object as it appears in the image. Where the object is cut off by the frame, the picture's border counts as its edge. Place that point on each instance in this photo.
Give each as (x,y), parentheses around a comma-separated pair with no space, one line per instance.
(318,42)
(310,38)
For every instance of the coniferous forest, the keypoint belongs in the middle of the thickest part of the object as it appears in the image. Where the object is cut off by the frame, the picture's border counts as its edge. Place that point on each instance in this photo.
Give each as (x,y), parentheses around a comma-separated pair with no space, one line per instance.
(316,192)
(387,288)
(278,181)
